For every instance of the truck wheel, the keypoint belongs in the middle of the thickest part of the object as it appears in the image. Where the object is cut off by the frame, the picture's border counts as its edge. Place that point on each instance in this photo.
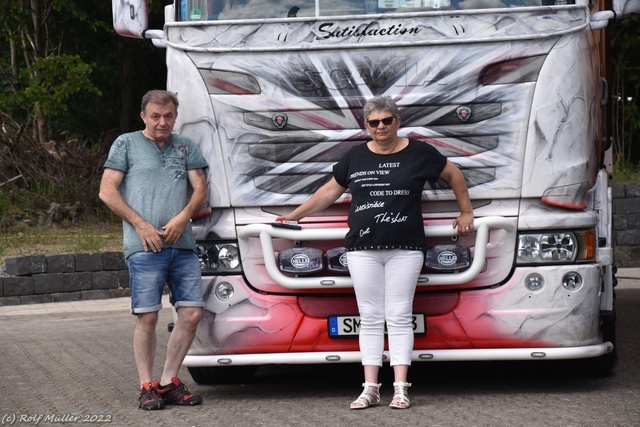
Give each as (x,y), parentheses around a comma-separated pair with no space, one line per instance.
(222,374)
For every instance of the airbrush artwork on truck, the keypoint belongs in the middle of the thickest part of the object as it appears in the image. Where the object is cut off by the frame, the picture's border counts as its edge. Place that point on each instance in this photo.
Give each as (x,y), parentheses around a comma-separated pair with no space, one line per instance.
(515,94)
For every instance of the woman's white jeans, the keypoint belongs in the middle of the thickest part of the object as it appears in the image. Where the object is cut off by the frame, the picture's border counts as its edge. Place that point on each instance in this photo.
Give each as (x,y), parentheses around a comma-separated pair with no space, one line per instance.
(385,283)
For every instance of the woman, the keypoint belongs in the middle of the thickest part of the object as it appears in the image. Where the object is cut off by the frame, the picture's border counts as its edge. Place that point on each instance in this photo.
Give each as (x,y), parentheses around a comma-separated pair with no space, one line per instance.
(386,236)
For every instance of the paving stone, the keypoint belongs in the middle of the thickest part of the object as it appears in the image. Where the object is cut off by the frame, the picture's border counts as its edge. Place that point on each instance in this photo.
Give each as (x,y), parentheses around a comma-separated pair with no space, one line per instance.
(105,280)
(626,206)
(65,263)
(26,265)
(113,261)
(626,256)
(627,238)
(6,301)
(617,191)
(89,262)
(48,283)
(120,292)
(633,221)
(17,286)
(620,222)
(95,294)
(36,299)
(66,296)
(79,281)
(632,189)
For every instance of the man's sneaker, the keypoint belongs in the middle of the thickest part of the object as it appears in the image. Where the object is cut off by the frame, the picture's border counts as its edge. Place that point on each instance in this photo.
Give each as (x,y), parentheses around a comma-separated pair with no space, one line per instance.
(176,393)
(149,398)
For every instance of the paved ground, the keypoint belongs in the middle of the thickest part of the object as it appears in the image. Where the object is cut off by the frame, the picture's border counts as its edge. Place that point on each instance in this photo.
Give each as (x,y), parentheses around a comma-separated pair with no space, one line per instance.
(72,363)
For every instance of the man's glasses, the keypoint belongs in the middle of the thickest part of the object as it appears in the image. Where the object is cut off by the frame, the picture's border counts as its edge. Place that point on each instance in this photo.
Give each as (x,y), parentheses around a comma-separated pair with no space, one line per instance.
(386,121)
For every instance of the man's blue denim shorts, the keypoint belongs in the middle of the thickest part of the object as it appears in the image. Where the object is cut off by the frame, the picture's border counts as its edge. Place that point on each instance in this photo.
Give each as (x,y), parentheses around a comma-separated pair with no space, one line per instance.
(150,271)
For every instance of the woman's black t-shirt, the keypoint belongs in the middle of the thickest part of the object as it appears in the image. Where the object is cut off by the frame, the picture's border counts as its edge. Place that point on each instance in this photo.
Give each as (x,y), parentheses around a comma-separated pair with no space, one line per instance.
(386,191)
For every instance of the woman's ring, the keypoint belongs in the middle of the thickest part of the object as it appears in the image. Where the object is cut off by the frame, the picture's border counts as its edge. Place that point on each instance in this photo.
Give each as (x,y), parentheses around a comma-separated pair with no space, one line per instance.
(467,228)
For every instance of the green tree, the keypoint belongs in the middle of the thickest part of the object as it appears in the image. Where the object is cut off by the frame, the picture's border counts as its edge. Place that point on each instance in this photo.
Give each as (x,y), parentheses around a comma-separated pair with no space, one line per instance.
(41,76)
(83,79)
(625,45)
(68,86)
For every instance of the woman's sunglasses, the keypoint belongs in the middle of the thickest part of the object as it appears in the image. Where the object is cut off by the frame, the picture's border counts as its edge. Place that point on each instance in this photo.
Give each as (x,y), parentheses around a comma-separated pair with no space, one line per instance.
(386,121)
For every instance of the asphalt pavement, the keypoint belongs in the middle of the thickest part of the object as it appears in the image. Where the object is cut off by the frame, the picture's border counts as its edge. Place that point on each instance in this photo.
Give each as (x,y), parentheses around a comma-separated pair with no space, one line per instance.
(72,363)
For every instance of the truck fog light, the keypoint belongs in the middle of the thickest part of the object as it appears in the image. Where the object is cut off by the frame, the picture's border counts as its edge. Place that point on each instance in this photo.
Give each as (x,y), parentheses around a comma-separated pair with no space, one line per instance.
(224,291)
(447,258)
(534,282)
(337,260)
(301,260)
(572,281)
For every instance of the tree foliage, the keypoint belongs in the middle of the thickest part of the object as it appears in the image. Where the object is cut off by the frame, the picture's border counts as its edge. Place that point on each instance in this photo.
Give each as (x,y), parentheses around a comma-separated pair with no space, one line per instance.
(52,81)
(42,76)
(68,86)
(625,43)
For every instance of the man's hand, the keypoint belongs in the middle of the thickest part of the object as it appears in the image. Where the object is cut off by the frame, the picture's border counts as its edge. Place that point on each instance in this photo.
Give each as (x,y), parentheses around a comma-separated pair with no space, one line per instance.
(150,237)
(174,228)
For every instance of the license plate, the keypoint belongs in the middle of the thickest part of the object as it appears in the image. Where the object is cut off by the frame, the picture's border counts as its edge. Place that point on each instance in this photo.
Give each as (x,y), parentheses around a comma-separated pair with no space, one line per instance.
(348,326)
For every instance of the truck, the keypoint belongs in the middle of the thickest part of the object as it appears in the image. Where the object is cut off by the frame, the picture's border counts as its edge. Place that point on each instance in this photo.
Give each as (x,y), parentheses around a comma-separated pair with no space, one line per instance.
(514,92)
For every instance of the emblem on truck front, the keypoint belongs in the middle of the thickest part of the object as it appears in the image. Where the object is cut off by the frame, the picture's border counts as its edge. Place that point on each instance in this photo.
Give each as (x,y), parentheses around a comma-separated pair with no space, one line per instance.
(280,120)
(464,113)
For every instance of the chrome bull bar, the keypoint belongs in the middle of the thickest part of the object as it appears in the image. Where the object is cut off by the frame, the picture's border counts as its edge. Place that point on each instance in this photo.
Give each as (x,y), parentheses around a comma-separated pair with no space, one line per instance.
(266,232)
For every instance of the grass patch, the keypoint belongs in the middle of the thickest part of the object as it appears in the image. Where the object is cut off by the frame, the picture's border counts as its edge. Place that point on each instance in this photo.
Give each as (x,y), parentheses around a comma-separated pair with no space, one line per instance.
(624,173)
(23,240)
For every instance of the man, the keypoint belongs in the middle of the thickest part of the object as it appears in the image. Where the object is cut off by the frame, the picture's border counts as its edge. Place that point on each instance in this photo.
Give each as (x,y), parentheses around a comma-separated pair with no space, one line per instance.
(145,182)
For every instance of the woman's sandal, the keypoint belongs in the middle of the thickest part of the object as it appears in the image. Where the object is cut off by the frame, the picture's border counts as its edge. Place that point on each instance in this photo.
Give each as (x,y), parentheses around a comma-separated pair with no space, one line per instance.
(370,396)
(400,395)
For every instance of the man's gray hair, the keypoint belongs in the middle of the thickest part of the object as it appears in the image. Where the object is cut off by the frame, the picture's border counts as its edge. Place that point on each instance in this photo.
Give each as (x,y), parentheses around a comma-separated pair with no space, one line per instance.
(158,97)
(384,103)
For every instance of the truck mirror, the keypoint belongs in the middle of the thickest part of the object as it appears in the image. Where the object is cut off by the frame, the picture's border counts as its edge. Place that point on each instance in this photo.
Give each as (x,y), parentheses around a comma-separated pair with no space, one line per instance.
(130,17)
(626,8)
(621,9)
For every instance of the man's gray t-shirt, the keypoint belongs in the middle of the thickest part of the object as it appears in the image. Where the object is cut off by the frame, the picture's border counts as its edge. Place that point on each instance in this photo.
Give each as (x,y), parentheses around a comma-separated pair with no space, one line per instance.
(155,183)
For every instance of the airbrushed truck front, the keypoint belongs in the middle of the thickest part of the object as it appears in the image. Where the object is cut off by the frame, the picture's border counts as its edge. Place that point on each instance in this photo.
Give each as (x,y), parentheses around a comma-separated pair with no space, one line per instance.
(514,93)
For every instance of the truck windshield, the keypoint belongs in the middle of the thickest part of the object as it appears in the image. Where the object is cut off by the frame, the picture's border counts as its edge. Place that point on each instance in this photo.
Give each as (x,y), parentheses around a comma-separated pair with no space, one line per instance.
(213,10)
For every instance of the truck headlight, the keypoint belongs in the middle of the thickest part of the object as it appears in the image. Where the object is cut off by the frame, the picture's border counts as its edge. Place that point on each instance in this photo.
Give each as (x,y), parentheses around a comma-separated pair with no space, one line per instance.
(556,247)
(218,258)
